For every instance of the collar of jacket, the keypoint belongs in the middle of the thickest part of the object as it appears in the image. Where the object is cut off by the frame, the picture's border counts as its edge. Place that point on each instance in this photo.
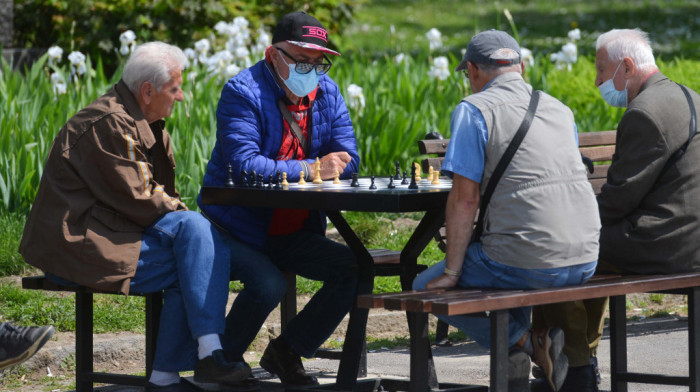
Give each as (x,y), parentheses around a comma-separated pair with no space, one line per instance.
(132,107)
(652,79)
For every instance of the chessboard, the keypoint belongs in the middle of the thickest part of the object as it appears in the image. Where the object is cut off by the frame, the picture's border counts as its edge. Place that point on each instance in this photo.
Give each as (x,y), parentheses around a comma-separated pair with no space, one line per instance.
(381,184)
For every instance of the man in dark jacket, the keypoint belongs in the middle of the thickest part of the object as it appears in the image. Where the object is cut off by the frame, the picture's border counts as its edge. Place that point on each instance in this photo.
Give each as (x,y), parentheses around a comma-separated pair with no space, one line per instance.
(648,207)
(253,134)
(107,216)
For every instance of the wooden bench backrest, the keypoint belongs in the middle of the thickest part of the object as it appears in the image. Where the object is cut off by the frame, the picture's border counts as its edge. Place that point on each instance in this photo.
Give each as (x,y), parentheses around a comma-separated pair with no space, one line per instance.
(598,146)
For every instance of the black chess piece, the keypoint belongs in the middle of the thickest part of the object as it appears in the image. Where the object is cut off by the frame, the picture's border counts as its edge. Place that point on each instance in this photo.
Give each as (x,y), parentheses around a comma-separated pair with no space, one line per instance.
(405,179)
(354,183)
(244,178)
(229,176)
(391,183)
(253,179)
(397,171)
(269,181)
(260,181)
(372,186)
(278,180)
(413,184)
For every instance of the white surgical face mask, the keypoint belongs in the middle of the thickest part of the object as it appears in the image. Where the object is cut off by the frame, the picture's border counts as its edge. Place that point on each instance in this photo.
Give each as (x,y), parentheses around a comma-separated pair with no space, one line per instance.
(611,95)
(300,84)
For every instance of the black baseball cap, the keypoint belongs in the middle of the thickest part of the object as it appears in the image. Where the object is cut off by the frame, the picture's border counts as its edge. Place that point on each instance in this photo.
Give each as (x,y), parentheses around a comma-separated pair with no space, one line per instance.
(301,29)
(482,46)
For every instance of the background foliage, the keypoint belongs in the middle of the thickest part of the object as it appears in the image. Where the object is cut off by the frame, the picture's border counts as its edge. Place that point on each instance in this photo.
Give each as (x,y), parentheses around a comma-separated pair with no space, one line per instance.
(92,26)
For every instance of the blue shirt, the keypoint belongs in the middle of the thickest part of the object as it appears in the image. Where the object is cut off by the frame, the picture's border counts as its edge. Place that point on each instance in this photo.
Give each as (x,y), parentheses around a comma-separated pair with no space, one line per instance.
(466,152)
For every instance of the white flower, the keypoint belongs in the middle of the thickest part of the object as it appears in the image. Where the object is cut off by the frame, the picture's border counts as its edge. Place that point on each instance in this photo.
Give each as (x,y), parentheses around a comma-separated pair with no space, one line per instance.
(241,22)
(392,29)
(202,46)
(76,58)
(356,99)
(570,52)
(221,27)
(59,88)
(232,70)
(575,34)
(399,58)
(241,53)
(434,38)
(527,56)
(191,76)
(190,53)
(81,69)
(439,68)
(57,78)
(55,54)
(127,37)
(124,50)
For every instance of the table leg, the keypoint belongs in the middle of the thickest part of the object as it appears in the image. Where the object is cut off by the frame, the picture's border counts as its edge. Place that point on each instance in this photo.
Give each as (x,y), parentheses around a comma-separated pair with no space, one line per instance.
(499,350)
(357,324)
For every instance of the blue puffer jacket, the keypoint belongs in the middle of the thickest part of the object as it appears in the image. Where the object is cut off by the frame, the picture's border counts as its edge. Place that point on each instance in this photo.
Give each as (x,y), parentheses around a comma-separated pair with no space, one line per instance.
(249,135)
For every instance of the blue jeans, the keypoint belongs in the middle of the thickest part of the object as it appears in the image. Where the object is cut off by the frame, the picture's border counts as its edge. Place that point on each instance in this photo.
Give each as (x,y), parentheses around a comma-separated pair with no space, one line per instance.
(479,270)
(312,256)
(184,255)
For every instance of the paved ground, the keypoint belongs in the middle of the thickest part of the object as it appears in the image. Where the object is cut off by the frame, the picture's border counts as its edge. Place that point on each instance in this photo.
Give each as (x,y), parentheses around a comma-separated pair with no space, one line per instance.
(658,345)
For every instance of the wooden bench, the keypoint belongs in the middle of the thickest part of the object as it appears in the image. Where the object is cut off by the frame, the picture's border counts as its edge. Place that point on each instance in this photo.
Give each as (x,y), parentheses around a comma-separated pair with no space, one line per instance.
(599,148)
(387,264)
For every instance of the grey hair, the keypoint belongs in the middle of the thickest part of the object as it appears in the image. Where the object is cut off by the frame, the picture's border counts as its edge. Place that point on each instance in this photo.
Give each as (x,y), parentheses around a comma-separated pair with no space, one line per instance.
(152,62)
(632,43)
(502,54)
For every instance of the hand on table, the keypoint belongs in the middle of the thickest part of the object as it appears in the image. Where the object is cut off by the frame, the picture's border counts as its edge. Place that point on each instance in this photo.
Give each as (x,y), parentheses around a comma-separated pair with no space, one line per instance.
(332,162)
(442,282)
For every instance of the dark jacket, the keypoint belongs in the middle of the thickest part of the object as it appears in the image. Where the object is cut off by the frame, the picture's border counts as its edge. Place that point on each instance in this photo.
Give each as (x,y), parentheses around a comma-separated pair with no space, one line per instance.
(108,176)
(249,134)
(651,219)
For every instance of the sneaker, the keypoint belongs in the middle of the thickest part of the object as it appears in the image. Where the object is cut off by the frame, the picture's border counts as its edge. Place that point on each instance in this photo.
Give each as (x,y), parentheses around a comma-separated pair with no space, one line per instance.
(280,359)
(17,344)
(217,369)
(578,379)
(549,356)
(518,370)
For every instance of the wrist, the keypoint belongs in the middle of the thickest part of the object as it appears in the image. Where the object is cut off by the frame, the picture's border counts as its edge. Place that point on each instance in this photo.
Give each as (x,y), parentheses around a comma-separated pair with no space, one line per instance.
(451,272)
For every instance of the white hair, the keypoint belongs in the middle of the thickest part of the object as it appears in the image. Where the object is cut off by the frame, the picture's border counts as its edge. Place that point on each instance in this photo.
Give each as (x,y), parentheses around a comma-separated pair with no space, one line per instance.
(502,54)
(632,43)
(152,62)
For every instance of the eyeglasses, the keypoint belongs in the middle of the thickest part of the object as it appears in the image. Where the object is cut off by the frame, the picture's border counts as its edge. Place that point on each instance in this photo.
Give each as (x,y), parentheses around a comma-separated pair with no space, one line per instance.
(304,68)
(466,73)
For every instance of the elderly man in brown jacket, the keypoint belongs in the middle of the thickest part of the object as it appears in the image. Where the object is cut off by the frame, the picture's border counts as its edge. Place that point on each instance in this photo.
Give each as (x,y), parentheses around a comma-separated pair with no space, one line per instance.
(107,216)
(649,206)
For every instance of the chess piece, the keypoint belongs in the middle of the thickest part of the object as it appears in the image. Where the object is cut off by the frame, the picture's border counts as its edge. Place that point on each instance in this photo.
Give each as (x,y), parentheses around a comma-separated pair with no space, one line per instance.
(301,178)
(253,179)
(430,173)
(436,178)
(397,173)
(317,172)
(260,182)
(417,172)
(278,180)
(413,184)
(404,181)
(229,176)
(371,185)
(391,182)
(285,184)
(354,183)
(244,178)
(269,181)
(336,178)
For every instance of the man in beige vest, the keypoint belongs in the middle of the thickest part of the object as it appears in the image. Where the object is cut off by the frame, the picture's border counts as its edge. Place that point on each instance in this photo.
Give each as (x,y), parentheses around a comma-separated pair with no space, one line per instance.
(528,240)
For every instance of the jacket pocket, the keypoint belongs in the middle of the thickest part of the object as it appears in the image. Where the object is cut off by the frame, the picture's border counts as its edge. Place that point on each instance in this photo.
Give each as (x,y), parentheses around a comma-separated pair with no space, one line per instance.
(111,241)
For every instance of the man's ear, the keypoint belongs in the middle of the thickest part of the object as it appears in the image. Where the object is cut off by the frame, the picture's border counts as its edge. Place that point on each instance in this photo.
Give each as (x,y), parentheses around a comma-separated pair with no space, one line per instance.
(146,91)
(630,68)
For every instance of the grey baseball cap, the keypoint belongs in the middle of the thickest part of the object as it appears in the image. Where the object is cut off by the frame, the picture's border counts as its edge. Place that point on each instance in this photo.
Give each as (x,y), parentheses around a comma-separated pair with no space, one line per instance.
(482,46)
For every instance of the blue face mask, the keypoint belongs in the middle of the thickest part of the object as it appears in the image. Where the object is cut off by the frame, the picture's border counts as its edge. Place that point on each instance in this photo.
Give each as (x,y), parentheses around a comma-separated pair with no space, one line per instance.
(300,84)
(611,95)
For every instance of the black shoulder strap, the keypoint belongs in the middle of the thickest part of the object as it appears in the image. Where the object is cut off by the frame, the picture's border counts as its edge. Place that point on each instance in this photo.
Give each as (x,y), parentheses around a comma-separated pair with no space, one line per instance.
(293,125)
(504,162)
(692,130)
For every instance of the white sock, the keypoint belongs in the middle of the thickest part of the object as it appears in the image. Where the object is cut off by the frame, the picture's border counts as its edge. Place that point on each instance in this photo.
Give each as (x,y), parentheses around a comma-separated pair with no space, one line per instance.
(208,344)
(164,378)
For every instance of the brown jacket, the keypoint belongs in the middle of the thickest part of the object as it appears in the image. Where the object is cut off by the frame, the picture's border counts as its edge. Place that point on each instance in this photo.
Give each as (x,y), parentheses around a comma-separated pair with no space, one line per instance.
(109,175)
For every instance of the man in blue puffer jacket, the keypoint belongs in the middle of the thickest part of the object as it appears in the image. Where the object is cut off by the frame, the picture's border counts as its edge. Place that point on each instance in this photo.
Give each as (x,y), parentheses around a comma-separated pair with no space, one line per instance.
(254,135)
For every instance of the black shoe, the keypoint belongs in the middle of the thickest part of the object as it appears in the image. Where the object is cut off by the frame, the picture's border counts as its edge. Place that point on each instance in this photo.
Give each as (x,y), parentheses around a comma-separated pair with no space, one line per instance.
(578,379)
(17,344)
(280,359)
(250,384)
(549,356)
(518,370)
(182,386)
(217,369)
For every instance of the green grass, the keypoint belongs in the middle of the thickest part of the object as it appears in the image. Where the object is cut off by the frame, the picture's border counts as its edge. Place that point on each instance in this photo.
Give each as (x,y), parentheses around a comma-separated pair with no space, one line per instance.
(11,262)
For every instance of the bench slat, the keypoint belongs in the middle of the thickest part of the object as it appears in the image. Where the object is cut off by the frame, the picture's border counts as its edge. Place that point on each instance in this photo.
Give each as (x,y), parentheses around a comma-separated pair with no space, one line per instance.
(598,138)
(436,146)
(598,153)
